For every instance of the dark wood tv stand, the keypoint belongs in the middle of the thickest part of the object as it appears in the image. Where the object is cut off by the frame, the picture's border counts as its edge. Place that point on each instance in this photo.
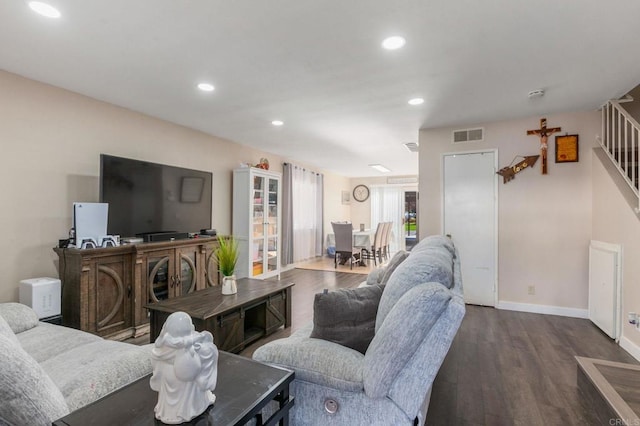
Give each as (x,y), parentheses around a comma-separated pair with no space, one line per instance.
(104,290)
(258,309)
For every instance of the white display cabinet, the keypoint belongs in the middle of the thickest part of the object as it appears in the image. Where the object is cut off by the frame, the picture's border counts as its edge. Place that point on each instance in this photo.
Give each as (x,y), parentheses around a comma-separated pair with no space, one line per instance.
(256,221)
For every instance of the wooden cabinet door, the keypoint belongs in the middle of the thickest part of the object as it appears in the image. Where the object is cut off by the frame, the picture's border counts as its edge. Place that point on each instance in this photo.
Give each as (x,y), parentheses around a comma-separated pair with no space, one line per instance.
(110,304)
(211,276)
(229,332)
(275,312)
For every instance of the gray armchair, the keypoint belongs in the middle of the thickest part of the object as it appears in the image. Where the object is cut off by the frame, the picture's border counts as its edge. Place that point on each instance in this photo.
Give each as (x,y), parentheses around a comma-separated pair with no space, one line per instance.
(419,313)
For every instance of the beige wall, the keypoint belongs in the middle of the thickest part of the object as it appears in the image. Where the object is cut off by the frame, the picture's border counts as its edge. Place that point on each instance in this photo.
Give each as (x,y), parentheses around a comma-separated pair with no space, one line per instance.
(334,210)
(615,222)
(51,142)
(544,222)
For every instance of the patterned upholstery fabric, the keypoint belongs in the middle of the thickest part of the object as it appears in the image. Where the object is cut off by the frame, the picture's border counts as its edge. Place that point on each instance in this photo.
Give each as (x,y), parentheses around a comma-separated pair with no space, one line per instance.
(28,395)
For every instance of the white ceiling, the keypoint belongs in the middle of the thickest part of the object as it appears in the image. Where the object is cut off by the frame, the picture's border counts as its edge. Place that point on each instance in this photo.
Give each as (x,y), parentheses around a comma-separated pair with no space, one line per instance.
(318,66)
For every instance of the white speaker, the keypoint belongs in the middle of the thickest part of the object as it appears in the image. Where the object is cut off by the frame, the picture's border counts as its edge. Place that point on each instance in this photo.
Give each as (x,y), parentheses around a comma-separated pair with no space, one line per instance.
(43,295)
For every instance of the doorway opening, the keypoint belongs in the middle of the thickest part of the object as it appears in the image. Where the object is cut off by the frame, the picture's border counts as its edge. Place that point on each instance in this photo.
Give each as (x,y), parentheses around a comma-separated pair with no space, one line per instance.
(410,222)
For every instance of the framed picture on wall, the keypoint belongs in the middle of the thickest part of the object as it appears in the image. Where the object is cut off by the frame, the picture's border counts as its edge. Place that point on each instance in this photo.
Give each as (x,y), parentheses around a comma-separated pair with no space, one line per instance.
(567,149)
(346,197)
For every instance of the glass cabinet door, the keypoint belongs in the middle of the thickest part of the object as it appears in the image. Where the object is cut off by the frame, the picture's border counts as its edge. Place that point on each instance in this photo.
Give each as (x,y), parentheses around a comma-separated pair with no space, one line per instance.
(258,221)
(187,271)
(159,277)
(272,227)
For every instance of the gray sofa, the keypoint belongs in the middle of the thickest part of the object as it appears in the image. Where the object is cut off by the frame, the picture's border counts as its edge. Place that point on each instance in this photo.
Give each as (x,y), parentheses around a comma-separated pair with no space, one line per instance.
(418,315)
(49,371)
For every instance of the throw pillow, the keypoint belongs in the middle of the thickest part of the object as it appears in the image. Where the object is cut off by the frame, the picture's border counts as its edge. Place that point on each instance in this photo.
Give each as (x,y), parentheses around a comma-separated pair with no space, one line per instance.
(28,395)
(395,261)
(375,276)
(19,317)
(347,317)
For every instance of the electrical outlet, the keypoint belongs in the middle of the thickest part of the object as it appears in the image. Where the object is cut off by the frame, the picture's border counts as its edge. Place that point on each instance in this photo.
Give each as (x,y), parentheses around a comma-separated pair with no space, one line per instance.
(531,290)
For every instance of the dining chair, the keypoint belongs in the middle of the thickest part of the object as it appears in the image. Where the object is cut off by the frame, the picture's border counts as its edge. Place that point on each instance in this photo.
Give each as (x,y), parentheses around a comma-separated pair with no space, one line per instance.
(386,234)
(344,244)
(375,251)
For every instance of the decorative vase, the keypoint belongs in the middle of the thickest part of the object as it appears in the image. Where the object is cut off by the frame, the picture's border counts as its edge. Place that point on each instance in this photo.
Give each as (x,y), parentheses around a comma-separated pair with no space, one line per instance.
(229,285)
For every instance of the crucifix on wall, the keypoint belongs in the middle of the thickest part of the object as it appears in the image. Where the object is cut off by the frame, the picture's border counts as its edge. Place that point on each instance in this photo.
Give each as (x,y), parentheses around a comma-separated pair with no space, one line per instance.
(543,132)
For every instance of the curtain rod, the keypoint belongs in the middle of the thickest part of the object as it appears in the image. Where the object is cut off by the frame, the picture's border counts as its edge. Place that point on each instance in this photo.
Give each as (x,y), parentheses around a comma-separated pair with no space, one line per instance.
(300,167)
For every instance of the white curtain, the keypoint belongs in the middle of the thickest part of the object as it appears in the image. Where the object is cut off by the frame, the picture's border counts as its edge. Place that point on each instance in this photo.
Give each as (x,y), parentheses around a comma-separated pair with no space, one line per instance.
(387,205)
(306,199)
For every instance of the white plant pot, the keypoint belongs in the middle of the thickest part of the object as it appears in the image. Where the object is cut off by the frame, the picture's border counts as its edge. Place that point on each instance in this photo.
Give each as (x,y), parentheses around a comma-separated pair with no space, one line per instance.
(229,285)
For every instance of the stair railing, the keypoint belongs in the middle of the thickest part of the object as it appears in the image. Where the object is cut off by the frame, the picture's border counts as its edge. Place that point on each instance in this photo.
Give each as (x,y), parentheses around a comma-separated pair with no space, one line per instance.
(620,137)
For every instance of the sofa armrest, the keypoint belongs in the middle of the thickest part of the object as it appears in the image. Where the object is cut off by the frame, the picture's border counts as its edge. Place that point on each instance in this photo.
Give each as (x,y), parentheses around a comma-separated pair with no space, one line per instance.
(19,317)
(317,361)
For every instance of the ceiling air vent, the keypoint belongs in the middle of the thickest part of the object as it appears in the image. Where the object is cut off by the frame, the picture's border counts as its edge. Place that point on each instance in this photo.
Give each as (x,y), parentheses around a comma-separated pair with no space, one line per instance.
(468,135)
(411,146)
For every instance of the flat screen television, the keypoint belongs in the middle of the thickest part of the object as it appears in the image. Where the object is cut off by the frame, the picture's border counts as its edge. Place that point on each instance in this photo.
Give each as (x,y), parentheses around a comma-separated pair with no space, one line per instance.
(149,198)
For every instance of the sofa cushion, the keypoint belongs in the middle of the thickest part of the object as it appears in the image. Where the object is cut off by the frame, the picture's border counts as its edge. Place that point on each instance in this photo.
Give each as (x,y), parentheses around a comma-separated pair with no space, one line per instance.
(347,316)
(430,264)
(28,395)
(91,371)
(403,331)
(316,361)
(47,340)
(436,241)
(6,331)
(19,317)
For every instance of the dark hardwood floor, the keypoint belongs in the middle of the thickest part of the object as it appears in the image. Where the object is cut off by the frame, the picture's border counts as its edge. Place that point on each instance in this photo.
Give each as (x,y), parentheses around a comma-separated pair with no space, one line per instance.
(516,368)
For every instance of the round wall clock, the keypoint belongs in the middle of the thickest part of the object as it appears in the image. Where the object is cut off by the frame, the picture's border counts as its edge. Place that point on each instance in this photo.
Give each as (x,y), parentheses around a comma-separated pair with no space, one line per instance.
(360,193)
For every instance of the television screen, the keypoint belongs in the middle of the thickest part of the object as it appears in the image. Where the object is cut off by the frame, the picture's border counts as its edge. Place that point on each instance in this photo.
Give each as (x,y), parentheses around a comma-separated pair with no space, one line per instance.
(147,197)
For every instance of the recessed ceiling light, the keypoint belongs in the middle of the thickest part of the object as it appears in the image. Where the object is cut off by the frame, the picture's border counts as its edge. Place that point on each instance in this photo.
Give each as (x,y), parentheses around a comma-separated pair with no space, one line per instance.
(416,101)
(277,122)
(206,87)
(380,168)
(44,9)
(393,43)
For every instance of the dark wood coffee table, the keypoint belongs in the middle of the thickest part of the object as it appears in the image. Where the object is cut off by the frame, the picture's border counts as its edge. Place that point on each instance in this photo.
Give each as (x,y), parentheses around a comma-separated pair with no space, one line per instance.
(258,309)
(244,388)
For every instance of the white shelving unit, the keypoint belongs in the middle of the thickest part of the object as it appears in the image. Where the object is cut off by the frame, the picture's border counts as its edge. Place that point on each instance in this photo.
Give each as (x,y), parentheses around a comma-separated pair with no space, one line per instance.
(256,221)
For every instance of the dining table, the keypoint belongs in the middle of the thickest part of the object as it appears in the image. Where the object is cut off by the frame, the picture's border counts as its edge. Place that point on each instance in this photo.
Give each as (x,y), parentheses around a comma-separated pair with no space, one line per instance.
(361,240)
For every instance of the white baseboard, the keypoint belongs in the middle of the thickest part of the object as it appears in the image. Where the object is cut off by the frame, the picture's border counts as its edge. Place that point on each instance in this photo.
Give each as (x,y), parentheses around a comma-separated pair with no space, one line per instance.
(630,347)
(543,309)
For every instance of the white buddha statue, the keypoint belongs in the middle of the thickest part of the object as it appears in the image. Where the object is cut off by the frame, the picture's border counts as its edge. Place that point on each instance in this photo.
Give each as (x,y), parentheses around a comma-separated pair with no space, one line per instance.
(185,370)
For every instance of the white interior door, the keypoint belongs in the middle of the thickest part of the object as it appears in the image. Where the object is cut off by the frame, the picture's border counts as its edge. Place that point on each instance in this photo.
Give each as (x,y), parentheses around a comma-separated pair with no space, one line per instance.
(604,287)
(469,216)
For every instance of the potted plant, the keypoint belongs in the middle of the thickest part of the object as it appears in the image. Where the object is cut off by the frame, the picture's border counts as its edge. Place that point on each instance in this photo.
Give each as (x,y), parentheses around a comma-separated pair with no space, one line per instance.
(227,256)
